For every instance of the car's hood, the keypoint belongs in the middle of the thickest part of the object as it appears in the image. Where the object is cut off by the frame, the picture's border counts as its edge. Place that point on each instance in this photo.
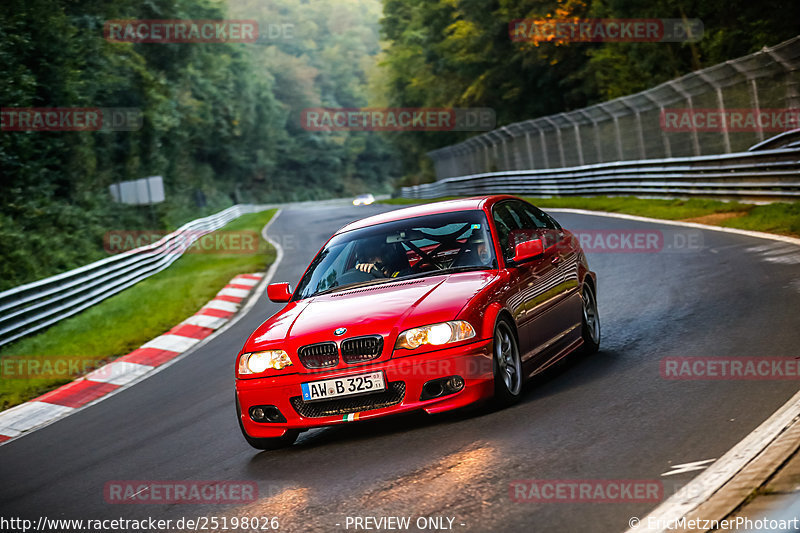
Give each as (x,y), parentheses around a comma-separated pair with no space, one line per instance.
(384,309)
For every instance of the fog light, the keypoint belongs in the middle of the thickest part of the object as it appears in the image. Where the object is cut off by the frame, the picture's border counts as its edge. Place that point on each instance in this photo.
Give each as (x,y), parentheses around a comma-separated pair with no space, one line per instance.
(455,384)
(266,414)
(441,387)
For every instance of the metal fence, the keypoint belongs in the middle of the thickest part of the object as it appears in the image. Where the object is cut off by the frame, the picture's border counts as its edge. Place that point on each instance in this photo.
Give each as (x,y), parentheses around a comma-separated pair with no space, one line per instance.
(34,306)
(630,128)
(759,175)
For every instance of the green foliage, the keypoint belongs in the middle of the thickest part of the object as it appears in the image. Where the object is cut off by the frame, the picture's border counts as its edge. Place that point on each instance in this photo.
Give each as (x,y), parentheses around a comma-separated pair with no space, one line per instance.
(219,119)
(458,53)
(222,121)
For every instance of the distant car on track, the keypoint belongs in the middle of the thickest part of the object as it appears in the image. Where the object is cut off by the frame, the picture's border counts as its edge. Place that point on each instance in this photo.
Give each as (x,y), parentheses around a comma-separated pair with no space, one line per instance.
(786,139)
(432,308)
(364,199)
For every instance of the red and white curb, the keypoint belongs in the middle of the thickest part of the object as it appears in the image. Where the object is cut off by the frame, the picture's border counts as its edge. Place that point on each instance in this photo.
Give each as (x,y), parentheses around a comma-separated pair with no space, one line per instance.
(131,367)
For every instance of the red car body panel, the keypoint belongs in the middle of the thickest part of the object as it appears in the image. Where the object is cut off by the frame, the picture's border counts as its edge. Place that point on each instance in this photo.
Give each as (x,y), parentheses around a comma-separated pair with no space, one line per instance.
(542,298)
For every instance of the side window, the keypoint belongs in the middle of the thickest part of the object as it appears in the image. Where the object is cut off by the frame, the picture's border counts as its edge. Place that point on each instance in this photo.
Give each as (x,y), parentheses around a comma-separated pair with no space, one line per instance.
(553,222)
(518,221)
(546,228)
(547,221)
(506,221)
(532,218)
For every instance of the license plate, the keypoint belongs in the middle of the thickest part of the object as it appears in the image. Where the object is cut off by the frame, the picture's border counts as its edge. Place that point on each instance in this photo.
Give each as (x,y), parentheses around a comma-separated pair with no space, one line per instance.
(346,386)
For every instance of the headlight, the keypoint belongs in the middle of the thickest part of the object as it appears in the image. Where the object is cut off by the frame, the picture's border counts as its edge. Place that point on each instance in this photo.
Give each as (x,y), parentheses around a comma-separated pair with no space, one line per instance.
(435,334)
(257,362)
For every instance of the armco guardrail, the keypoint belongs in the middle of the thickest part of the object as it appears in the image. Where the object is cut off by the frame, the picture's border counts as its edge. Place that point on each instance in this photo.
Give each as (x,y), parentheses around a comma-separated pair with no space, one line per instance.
(34,306)
(760,175)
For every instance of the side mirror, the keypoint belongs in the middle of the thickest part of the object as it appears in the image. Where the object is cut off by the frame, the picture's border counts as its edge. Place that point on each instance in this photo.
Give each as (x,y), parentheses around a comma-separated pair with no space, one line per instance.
(279,292)
(528,250)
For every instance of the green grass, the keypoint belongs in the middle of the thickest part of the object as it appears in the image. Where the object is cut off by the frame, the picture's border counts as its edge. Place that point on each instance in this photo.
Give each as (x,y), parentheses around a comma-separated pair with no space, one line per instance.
(781,218)
(127,320)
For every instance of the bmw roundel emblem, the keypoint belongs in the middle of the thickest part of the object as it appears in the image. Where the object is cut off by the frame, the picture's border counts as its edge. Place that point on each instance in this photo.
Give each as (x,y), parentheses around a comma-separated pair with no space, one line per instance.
(340,331)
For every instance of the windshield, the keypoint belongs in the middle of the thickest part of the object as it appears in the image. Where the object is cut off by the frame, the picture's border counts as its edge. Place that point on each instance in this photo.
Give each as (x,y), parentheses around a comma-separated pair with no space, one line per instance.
(416,247)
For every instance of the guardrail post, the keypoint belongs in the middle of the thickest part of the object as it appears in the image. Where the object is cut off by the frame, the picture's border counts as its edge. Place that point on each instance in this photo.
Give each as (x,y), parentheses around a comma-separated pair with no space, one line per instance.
(664,136)
(753,92)
(597,146)
(530,149)
(640,132)
(577,131)
(494,152)
(544,147)
(454,163)
(756,107)
(505,141)
(474,155)
(678,89)
(642,150)
(560,140)
(726,139)
(616,129)
(485,143)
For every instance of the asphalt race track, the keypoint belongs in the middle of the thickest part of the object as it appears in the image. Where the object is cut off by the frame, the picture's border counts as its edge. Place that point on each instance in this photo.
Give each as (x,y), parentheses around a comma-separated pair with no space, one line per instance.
(610,416)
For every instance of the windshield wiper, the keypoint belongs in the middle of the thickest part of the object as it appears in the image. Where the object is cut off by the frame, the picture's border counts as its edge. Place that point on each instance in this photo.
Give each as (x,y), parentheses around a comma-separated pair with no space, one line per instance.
(453,270)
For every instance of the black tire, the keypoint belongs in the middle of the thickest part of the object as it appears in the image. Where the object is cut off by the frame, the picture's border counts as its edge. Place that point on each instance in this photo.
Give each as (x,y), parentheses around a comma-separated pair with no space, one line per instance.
(276,443)
(590,320)
(507,365)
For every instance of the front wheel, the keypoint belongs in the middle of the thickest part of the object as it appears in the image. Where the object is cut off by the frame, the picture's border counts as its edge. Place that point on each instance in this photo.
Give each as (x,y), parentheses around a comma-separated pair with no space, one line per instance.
(507,365)
(590,323)
(276,443)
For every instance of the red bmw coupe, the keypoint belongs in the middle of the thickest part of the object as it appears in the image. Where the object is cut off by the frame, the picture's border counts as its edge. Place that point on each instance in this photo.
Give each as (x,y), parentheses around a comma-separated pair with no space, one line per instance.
(431,308)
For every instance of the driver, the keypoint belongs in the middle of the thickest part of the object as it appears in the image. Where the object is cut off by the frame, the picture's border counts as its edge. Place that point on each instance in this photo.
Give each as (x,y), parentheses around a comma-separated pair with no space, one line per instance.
(475,253)
(484,255)
(380,259)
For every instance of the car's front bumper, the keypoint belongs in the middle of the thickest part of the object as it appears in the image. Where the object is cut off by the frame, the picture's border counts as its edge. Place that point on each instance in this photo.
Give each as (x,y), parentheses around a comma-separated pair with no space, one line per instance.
(473,362)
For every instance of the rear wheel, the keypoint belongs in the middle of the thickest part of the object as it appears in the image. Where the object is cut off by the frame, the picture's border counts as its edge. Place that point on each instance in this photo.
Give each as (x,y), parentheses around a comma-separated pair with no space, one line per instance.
(275,443)
(590,327)
(507,365)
